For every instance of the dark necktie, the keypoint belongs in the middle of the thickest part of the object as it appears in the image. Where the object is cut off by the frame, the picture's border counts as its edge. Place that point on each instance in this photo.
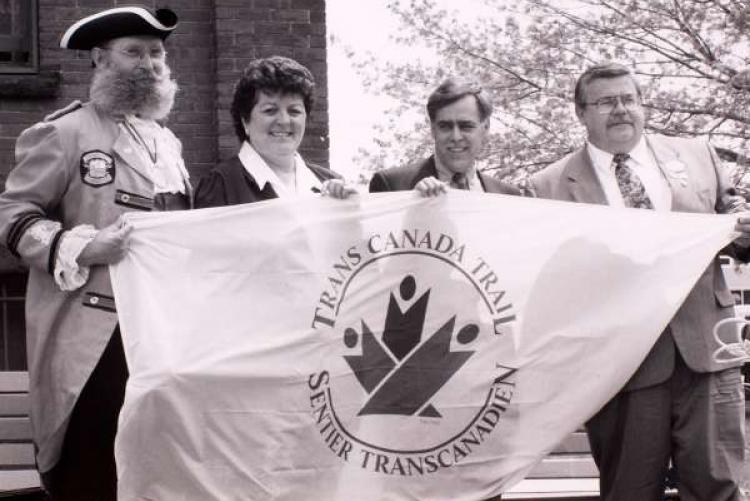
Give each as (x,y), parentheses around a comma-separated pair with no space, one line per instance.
(632,189)
(459,181)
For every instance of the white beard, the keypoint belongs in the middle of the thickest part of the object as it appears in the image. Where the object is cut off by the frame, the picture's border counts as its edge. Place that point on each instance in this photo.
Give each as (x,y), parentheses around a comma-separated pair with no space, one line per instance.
(137,92)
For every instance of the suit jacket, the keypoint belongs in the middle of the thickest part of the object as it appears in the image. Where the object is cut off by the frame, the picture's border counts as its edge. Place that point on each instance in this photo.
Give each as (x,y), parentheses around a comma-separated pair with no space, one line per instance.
(698,184)
(229,183)
(405,178)
(76,167)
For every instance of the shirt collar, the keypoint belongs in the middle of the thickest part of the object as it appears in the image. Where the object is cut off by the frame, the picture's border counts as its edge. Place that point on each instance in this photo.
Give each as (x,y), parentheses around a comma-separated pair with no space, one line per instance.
(446,175)
(307,182)
(263,174)
(639,154)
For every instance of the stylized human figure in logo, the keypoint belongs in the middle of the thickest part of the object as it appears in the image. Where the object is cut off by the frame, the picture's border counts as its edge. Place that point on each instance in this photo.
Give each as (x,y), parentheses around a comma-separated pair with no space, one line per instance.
(405,385)
(403,330)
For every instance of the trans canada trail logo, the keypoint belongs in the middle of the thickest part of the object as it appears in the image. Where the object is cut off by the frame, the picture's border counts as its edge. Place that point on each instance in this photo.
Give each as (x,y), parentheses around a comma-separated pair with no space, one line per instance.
(421,338)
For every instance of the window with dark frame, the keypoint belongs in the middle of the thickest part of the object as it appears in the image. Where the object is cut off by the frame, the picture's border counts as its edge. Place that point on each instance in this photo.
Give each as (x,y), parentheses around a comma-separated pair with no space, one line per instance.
(18,36)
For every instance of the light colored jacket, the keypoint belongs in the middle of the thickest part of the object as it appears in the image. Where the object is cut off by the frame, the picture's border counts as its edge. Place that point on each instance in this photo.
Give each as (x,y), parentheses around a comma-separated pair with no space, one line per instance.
(698,184)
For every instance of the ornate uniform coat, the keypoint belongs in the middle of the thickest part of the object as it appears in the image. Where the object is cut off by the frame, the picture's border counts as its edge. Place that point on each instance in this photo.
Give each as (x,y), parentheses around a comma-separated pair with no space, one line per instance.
(78,166)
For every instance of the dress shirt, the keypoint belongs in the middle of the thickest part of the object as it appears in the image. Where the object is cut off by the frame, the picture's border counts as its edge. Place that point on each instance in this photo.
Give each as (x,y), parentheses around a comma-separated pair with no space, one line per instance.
(643,164)
(306,182)
(446,175)
(167,172)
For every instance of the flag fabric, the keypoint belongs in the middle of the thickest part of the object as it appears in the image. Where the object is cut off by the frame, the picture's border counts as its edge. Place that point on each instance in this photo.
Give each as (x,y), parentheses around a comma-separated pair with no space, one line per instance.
(386,347)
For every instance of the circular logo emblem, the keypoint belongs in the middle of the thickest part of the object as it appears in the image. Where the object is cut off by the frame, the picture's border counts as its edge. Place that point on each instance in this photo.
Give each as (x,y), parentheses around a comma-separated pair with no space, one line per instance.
(415,380)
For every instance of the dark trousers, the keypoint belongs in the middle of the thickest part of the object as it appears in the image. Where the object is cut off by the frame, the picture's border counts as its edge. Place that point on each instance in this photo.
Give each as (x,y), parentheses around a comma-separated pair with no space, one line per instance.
(696,419)
(86,468)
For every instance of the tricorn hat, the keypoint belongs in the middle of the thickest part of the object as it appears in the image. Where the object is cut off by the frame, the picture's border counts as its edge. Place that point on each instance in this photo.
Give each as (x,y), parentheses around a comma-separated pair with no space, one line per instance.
(118,22)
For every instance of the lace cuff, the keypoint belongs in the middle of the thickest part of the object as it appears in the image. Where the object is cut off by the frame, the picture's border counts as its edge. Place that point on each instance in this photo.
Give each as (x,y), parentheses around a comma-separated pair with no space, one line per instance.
(68,275)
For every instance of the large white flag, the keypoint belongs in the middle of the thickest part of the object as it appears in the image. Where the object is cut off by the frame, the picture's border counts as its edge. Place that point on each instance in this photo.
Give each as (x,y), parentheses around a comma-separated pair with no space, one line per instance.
(383,348)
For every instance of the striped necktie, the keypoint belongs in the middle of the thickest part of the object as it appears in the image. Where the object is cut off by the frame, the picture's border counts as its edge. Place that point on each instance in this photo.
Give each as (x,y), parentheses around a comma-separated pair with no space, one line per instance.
(632,189)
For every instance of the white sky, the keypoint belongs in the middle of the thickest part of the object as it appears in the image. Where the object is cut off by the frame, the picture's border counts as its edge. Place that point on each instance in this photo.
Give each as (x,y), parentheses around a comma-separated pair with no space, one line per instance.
(367,26)
(364,25)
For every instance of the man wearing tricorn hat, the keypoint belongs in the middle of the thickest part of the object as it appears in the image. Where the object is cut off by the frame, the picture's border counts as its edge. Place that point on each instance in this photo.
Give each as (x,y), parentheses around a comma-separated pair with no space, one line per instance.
(76,173)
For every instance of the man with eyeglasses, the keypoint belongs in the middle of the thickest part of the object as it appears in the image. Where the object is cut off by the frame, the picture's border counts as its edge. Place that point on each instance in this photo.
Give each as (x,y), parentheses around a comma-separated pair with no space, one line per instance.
(459,111)
(76,173)
(681,404)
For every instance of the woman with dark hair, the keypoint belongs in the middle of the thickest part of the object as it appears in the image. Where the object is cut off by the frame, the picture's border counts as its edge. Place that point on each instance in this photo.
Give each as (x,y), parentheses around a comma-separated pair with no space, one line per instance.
(269,109)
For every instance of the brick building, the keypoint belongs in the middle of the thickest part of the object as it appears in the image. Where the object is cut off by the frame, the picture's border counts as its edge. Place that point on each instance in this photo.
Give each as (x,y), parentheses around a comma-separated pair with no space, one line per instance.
(213,42)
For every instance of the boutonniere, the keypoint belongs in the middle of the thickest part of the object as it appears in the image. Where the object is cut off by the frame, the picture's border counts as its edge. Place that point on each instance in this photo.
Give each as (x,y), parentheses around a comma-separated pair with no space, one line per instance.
(677,171)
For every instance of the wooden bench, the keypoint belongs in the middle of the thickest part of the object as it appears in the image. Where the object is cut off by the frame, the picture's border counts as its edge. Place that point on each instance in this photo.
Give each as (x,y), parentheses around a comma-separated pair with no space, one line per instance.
(18,476)
(568,473)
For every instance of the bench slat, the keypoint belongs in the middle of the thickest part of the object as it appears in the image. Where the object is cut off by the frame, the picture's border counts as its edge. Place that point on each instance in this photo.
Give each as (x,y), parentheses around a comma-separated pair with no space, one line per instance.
(575,443)
(568,488)
(14,381)
(565,466)
(17,455)
(15,428)
(14,404)
(20,480)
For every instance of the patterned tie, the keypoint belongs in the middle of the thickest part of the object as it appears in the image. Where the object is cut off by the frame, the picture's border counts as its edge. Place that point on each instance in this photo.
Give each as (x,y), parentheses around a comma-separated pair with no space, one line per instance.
(633,193)
(459,181)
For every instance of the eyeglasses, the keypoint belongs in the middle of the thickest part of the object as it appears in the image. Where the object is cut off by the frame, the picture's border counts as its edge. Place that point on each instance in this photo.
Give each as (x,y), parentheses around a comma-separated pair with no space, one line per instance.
(606,104)
(140,53)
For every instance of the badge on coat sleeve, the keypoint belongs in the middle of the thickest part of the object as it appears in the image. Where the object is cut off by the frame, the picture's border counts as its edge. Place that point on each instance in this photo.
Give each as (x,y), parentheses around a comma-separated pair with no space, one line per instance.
(97,168)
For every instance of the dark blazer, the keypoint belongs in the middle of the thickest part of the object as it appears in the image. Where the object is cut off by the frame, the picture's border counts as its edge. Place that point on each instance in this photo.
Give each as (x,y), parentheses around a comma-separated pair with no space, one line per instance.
(229,184)
(698,184)
(405,178)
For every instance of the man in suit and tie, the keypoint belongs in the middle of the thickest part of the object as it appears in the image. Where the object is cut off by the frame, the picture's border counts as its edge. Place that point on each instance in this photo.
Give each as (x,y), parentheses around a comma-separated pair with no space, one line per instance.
(459,112)
(682,403)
